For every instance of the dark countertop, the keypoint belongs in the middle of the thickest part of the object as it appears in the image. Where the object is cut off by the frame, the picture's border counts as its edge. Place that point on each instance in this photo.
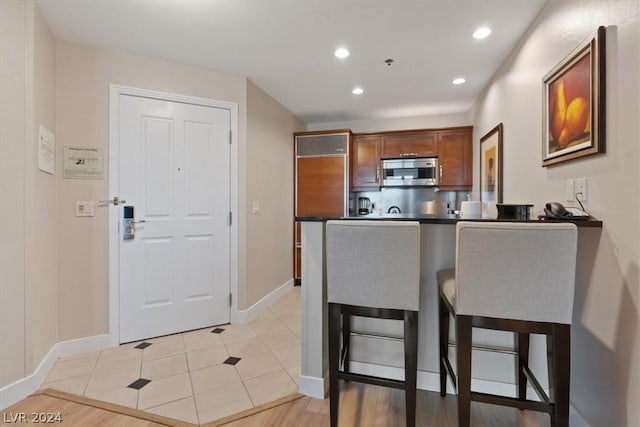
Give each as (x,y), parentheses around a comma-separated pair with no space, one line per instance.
(441,219)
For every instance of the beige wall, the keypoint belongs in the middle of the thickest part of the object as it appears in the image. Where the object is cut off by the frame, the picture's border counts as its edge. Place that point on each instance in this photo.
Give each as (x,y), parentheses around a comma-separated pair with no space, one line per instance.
(398,123)
(270,183)
(54,265)
(605,373)
(41,214)
(84,75)
(28,246)
(12,191)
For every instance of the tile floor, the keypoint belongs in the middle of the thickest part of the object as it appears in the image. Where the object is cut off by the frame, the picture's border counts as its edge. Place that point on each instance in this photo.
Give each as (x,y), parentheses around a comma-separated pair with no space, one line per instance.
(196,376)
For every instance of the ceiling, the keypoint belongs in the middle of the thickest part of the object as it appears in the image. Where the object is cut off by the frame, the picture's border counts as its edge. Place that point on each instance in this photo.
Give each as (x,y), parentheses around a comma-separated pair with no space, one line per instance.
(286,46)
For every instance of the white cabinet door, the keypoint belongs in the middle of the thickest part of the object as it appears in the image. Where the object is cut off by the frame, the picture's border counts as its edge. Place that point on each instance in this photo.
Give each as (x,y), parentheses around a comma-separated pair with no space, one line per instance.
(174,171)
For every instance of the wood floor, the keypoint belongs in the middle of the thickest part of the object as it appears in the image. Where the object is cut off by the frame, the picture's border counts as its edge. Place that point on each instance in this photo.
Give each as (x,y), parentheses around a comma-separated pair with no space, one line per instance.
(360,405)
(366,405)
(71,413)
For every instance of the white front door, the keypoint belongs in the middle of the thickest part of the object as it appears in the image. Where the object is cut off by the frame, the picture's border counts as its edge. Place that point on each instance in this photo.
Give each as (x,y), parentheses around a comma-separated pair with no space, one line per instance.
(174,172)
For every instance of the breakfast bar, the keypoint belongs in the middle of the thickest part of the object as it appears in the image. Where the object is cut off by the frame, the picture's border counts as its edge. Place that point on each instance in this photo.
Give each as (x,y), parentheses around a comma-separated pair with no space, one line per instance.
(375,355)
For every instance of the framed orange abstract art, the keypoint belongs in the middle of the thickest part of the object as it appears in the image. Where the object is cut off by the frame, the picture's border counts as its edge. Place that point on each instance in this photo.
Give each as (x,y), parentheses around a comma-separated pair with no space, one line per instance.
(574,103)
(491,166)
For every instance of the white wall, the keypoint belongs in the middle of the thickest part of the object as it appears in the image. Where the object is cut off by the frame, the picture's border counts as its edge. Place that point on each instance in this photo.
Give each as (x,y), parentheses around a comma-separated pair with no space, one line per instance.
(605,385)
(269,254)
(28,217)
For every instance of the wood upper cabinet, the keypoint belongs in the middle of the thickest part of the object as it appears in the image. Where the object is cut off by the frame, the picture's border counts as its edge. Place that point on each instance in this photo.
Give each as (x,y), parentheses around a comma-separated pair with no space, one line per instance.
(365,161)
(452,147)
(455,159)
(409,144)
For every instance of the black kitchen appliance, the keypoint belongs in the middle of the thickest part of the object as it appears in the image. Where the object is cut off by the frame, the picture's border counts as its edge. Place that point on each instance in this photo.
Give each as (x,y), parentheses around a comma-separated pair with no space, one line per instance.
(364,206)
(514,211)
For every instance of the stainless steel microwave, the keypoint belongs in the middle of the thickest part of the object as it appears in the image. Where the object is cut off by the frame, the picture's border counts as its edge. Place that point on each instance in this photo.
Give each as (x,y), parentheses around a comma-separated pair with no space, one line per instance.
(417,172)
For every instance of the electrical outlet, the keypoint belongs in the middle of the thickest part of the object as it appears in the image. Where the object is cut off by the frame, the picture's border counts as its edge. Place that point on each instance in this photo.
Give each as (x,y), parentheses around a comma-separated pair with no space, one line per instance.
(570,192)
(581,187)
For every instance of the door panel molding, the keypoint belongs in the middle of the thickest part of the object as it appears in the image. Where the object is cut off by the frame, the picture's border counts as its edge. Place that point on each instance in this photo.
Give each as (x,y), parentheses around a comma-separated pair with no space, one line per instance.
(115,91)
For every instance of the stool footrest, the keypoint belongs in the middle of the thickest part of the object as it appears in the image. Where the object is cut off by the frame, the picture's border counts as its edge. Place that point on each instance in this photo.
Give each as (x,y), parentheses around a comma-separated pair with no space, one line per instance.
(536,385)
(511,401)
(454,378)
(368,379)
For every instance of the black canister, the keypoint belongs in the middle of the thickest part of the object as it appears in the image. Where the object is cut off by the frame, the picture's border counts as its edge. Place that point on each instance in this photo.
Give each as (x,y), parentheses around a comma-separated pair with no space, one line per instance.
(514,211)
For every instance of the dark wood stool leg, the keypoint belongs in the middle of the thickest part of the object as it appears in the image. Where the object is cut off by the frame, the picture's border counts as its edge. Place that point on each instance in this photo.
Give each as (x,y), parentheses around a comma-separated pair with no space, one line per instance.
(346,335)
(410,364)
(444,343)
(463,352)
(334,361)
(551,369)
(523,360)
(560,373)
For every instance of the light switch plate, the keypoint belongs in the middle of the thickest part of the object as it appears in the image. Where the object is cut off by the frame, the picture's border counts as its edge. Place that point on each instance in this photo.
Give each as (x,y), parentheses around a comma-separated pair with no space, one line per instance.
(255,207)
(570,191)
(84,208)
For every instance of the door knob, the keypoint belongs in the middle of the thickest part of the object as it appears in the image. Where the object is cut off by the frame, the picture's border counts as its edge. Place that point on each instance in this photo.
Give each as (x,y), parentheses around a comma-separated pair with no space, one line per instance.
(128,229)
(116,201)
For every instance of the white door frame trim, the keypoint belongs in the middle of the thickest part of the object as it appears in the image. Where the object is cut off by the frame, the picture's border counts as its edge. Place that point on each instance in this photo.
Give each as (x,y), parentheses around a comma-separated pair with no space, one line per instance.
(114,169)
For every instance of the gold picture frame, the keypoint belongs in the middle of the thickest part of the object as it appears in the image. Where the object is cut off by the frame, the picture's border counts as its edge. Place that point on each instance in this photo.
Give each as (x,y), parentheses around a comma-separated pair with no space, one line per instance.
(574,109)
(491,166)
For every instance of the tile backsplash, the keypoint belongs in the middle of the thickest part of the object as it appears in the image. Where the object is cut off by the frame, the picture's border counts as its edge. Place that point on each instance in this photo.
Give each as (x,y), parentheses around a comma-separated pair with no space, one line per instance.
(409,200)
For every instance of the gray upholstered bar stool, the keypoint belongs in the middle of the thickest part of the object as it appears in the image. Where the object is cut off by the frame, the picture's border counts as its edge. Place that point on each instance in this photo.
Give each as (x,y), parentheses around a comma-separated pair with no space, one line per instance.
(373,270)
(517,277)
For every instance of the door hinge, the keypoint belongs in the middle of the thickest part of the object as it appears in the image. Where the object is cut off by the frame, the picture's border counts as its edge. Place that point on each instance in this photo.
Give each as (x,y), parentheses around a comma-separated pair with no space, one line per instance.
(230,298)
(230,218)
(230,136)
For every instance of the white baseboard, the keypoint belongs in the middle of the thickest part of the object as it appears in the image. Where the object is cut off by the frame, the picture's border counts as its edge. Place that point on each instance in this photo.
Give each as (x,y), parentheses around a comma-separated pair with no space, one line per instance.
(313,387)
(84,345)
(244,316)
(22,388)
(430,381)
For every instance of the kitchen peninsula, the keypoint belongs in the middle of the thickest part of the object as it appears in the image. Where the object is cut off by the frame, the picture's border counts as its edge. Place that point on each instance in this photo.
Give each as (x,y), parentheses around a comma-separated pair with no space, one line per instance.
(395,171)
(383,357)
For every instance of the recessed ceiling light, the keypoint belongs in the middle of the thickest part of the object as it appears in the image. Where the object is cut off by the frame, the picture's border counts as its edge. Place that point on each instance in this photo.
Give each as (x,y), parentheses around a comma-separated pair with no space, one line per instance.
(459,81)
(357,91)
(341,53)
(481,33)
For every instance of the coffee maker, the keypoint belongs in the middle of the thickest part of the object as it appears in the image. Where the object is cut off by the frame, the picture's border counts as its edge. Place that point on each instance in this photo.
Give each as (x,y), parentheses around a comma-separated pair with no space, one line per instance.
(364,206)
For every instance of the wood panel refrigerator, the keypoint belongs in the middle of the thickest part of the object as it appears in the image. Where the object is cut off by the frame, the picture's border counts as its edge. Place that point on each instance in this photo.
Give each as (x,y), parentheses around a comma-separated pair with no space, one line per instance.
(321,180)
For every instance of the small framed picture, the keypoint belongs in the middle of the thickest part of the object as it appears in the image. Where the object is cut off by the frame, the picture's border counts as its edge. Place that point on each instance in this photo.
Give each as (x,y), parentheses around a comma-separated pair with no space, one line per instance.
(574,103)
(491,166)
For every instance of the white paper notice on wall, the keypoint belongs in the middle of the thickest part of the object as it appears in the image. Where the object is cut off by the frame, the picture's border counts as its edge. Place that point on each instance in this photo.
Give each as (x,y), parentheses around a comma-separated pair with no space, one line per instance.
(83,162)
(46,151)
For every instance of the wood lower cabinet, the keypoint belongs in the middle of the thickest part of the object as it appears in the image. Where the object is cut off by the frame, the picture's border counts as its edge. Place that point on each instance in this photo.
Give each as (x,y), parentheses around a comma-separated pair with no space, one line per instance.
(298,265)
(297,252)
(455,154)
(365,162)
(321,179)
(320,186)
(409,144)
